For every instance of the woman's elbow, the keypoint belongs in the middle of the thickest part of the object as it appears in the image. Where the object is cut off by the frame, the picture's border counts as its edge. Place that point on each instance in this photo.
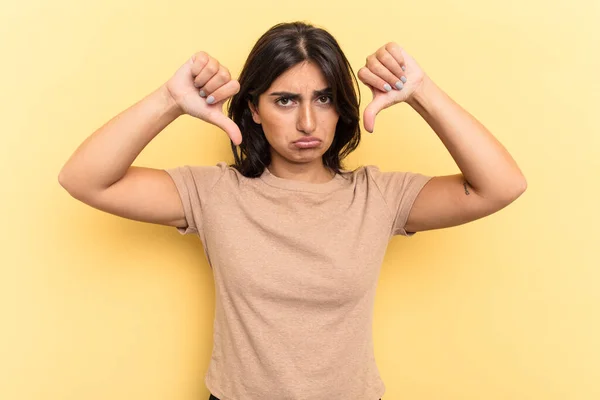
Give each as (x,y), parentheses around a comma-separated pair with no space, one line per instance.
(517,187)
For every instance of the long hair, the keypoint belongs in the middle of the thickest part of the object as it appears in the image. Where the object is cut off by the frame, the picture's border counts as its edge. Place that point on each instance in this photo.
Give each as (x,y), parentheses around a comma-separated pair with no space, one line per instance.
(280,48)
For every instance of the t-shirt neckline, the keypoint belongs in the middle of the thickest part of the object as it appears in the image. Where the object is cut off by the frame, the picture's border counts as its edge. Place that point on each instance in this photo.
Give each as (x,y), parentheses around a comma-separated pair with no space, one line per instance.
(335,183)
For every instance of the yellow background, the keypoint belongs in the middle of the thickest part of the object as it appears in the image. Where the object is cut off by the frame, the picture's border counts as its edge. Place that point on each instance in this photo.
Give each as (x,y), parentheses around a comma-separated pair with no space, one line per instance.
(93,306)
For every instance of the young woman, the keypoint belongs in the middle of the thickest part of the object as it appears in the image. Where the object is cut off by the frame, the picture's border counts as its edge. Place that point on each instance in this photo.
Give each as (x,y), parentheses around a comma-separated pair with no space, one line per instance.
(294,240)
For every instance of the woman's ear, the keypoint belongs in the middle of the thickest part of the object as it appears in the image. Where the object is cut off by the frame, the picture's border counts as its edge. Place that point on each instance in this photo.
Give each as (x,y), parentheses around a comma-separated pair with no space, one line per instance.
(254,112)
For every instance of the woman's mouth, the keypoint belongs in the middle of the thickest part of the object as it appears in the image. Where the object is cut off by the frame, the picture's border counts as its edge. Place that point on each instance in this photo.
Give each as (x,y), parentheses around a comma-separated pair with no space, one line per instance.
(307,143)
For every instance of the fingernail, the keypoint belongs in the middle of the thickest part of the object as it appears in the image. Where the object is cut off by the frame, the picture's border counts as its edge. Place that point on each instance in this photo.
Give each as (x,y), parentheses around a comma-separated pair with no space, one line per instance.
(403,79)
(202,93)
(399,85)
(210,100)
(403,68)
(387,87)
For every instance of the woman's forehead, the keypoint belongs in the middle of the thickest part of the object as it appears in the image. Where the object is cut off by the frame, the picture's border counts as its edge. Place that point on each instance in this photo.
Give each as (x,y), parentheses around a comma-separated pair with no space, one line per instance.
(303,77)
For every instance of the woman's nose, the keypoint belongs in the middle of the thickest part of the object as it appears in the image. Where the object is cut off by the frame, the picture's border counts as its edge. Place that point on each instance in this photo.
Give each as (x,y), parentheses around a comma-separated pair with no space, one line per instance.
(306,119)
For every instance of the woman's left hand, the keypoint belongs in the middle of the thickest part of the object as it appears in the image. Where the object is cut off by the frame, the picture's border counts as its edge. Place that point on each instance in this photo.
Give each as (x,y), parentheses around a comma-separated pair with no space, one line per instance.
(393,77)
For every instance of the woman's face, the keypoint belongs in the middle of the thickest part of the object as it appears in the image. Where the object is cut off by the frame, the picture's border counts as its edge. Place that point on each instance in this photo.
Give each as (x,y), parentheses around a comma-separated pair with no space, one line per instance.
(298,105)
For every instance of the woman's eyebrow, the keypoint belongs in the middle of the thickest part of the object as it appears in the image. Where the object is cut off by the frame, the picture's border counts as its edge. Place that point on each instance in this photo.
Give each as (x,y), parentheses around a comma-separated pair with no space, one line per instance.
(295,96)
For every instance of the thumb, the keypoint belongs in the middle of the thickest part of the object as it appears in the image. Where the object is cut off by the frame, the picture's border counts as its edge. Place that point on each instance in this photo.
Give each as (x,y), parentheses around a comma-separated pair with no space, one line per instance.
(233,131)
(374,107)
(369,118)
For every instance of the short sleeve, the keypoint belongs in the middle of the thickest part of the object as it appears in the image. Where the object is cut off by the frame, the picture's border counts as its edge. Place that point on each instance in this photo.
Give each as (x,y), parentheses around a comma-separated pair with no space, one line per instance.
(399,191)
(195,184)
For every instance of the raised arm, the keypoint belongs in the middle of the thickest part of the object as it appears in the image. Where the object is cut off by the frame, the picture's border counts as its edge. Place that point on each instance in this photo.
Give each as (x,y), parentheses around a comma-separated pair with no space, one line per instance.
(100,174)
(490,178)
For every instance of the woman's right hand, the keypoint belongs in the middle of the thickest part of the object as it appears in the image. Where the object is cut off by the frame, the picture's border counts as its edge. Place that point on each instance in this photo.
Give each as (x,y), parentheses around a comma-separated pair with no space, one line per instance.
(200,87)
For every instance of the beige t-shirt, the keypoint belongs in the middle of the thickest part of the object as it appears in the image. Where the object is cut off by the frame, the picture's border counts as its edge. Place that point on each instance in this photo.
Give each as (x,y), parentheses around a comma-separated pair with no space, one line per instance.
(296,266)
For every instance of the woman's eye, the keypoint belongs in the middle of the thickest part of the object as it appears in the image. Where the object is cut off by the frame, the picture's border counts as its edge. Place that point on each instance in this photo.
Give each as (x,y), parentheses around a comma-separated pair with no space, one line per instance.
(286,101)
(283,101)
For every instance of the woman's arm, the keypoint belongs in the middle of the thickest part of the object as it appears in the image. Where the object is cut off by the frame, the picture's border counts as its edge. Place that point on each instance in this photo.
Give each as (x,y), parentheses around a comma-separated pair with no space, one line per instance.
(490,178)
(105,156)
(99,173)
